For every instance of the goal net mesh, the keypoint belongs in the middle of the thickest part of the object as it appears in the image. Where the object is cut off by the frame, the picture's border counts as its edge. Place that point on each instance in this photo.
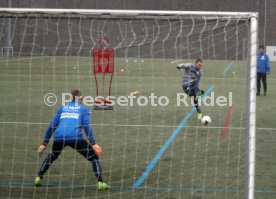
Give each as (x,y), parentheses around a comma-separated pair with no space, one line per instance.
(51,53)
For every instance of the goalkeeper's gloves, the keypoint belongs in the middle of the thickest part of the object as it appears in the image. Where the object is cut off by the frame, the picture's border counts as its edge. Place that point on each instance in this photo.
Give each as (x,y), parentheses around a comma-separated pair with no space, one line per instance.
(41,148)
(202,92)
(97,149)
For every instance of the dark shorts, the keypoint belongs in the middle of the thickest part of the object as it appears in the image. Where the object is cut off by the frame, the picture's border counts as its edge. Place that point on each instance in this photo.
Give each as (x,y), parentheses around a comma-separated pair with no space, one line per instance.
(192,92)
(82,146)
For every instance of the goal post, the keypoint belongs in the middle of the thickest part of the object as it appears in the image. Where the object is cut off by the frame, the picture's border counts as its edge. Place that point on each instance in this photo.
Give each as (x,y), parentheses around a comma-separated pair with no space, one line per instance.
(139,38)
(251,109)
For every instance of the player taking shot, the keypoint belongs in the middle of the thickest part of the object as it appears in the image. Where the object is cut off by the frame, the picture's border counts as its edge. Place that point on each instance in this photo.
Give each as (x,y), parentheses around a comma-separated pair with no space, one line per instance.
(190,81)
(67,127)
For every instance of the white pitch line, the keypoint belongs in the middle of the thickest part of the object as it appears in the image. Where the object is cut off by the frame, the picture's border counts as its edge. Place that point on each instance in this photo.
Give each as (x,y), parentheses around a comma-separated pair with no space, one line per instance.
(23,58)
(35,57)
(49,75)
(172,62)
(144,125)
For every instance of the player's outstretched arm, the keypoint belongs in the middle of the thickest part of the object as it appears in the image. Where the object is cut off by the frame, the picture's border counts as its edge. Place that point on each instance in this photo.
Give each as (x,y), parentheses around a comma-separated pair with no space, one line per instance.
(50,130)
(183,66)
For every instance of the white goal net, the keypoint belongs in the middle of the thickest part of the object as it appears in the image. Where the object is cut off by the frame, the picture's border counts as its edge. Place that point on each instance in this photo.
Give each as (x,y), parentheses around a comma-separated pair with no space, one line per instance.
(152,148)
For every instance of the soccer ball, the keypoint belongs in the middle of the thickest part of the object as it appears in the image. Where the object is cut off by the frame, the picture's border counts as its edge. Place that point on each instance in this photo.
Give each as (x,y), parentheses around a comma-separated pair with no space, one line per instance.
(206,120)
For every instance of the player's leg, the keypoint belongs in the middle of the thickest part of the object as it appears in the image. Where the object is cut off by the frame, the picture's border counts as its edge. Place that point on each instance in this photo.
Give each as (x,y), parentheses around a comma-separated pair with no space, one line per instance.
(195,94)
(259,76)
(56,150)
(85,149)
(264,83)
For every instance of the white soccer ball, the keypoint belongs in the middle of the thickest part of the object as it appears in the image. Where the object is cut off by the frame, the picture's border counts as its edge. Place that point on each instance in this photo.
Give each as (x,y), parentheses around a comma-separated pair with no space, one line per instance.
(206,120)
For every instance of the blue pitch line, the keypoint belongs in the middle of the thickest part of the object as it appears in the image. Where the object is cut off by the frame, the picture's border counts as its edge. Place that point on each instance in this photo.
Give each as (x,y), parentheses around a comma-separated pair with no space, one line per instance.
(228,67)
(72,186)
(167,143)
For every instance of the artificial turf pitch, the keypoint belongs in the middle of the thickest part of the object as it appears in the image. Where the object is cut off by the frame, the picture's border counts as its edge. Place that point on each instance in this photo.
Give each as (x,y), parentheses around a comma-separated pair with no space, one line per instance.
(199,163)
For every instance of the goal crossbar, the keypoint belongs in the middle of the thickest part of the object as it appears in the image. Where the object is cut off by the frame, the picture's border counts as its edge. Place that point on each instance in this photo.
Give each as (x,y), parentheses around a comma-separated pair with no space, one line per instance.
(124,13)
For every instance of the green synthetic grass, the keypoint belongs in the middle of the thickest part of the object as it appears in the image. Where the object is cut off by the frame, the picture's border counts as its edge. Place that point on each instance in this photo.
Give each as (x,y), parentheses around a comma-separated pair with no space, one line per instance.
(198,164)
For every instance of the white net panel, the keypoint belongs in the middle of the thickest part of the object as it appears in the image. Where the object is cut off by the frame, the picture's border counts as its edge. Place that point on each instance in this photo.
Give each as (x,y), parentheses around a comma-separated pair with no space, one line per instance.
(52,54)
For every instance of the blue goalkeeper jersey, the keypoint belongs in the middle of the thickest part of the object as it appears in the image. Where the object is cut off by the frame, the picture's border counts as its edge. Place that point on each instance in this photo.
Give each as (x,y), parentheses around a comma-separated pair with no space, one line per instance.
(68,122)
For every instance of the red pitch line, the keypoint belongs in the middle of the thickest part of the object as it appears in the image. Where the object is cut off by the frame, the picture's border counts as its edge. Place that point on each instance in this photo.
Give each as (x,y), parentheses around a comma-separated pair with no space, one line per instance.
(223,132)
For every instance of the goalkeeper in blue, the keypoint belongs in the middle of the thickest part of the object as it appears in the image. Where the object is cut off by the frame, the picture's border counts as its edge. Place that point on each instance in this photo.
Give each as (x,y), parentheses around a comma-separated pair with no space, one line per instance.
(190,81)
(66,128)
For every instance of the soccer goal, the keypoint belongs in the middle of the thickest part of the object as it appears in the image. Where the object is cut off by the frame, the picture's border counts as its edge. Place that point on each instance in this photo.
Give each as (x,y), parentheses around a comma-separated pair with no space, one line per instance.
(152,147)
